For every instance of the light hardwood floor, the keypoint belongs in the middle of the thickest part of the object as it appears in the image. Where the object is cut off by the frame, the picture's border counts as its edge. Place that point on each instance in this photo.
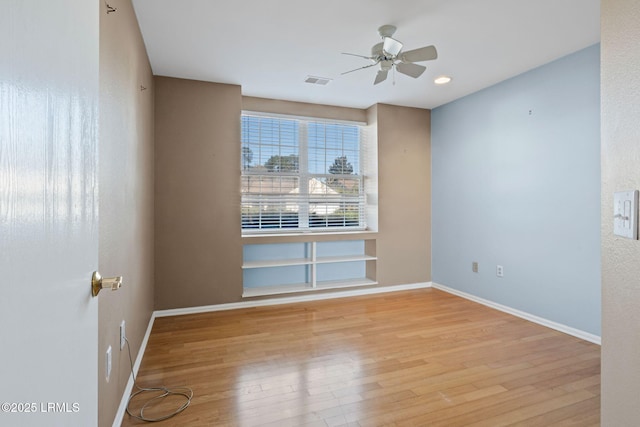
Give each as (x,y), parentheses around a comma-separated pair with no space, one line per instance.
(415,358)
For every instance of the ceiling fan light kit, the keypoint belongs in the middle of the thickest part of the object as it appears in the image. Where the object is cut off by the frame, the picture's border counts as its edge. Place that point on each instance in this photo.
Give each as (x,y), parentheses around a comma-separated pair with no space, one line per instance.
(391,47)
(389,56)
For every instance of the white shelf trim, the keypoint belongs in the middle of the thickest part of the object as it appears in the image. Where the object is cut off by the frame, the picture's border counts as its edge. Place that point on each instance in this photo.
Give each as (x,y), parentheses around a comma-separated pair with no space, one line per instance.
(286,262)
(344,258)
(306,287)
(345,283)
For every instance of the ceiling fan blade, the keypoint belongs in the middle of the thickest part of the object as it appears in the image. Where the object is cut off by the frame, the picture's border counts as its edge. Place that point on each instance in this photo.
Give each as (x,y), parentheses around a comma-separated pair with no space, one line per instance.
(361,68)
(381,76)
(391,46)
(359,56)
(412,70)
(426,53)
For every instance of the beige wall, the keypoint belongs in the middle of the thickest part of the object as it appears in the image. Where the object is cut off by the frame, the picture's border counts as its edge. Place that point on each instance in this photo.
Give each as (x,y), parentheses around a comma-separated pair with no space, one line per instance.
(126,196)
(198,251)
(197,198)
(620,97)
(404,189)
(264,105)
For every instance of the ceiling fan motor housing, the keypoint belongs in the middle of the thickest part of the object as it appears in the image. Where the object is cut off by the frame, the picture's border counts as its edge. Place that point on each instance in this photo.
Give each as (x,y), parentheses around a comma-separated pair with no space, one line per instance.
(386,65)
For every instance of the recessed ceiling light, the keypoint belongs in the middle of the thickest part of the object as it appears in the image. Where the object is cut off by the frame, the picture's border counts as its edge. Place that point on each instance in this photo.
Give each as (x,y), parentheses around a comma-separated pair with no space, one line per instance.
(442,80)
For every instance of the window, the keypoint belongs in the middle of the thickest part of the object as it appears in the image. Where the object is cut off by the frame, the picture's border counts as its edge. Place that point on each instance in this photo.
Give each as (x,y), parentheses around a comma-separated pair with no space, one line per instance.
(301,174)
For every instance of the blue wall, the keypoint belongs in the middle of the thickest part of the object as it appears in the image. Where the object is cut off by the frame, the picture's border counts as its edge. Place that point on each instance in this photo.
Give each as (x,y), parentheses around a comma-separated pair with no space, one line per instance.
(516,182)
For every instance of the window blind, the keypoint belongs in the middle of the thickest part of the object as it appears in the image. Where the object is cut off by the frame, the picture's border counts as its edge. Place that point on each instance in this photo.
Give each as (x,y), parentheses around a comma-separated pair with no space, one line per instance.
(301,174)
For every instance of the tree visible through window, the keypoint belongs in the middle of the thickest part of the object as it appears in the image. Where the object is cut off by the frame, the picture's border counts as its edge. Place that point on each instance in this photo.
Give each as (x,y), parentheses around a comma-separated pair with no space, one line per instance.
(301,174)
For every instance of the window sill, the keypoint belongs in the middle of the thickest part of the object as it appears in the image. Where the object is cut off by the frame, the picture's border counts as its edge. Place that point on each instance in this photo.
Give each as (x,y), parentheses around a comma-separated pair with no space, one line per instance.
(309,236)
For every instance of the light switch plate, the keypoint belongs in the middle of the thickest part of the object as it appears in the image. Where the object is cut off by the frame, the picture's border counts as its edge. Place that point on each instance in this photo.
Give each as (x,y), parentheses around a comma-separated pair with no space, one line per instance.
(625,214)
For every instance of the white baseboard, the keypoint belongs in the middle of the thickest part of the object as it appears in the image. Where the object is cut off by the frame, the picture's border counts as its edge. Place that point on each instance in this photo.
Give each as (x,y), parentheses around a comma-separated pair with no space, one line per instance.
(524,315)
(290,299)
(117,421)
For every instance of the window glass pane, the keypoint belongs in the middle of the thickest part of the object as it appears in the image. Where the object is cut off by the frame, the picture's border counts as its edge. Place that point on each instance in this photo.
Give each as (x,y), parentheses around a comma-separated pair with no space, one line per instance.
(270,144)
(254,217)
(332,214)
(270,185)
(344,186)
(331,143)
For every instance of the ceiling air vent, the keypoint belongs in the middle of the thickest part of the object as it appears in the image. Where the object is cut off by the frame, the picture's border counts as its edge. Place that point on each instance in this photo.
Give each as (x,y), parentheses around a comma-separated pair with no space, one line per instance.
(323,81)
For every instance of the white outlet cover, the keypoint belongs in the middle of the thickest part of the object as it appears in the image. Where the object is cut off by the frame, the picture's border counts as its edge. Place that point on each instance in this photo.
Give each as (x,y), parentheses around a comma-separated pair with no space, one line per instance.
(122,334)
(108,364)
(625,214)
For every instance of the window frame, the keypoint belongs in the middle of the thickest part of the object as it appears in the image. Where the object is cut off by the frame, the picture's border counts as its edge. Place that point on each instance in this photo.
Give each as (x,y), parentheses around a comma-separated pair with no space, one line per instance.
(304,175)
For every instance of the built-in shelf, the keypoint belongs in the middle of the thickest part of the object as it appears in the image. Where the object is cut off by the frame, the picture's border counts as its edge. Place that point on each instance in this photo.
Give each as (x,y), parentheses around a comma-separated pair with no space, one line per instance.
(308,265)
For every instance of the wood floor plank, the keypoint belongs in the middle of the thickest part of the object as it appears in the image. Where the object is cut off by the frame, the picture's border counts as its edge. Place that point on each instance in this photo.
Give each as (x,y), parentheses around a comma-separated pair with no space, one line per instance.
(414,358)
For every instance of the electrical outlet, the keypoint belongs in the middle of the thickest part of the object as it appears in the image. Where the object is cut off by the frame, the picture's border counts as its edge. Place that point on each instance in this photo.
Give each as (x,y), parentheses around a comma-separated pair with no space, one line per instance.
(122,335)
(499,271)
(474,266)
(108,364)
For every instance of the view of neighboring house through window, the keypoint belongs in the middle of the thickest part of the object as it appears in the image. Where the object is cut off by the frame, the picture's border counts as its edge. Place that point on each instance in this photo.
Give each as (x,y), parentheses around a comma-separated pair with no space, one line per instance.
(300,174)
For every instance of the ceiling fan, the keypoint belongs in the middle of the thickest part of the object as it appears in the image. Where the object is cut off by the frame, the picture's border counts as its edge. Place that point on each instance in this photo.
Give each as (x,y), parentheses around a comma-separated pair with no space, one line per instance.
(389,55)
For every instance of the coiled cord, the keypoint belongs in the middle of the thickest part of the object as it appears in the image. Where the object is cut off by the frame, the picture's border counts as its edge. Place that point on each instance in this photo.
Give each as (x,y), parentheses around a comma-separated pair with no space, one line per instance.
(165,392)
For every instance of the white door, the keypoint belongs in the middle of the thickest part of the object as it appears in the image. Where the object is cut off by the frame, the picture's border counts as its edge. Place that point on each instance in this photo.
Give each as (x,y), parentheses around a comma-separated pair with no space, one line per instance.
(48,212)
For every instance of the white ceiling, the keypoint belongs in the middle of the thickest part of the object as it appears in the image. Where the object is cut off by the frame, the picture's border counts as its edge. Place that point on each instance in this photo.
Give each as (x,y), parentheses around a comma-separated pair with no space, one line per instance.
(269,47)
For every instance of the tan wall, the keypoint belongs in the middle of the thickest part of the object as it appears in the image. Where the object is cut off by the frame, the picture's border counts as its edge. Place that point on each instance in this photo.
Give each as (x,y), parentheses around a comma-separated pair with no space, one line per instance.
(404,190)
(198,238)
(197,195)
(126,196)
(303,109)
(620,106)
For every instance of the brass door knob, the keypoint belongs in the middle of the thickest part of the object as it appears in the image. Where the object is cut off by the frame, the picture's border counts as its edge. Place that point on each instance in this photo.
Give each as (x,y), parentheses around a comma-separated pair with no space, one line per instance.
(98,283)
